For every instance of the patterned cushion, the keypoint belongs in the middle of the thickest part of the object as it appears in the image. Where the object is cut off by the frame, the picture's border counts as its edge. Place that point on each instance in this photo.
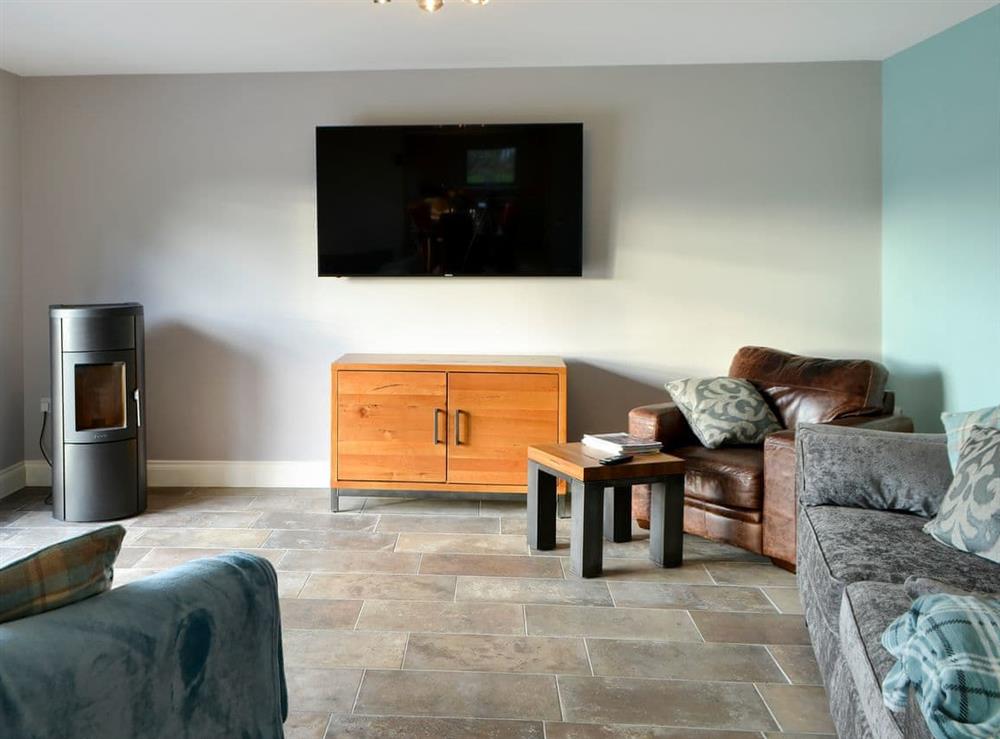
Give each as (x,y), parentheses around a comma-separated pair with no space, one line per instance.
(958,426)
(59,574)
(969,518)
(723,410)
(947,649)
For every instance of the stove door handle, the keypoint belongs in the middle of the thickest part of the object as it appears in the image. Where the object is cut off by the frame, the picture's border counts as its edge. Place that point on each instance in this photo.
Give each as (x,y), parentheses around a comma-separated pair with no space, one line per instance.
(138,408)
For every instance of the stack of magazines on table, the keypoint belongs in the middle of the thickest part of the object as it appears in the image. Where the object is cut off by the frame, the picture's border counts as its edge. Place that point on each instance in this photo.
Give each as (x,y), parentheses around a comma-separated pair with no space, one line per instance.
(620,443)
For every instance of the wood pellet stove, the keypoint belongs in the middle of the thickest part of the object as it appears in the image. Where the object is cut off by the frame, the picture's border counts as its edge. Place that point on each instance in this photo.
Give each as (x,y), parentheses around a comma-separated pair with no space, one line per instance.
(98,431)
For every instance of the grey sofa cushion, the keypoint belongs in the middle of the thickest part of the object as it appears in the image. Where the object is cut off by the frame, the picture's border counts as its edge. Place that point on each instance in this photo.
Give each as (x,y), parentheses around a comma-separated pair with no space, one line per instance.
(866,610)
(864,468)
(839,546)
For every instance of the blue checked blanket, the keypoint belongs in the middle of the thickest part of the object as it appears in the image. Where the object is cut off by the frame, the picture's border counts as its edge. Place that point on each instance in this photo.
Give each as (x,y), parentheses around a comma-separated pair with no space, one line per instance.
(947,649)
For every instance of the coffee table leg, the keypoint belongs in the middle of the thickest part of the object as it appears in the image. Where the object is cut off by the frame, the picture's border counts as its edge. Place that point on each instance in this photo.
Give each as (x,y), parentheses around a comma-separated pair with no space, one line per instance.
(618,513)
(666,522)
(586,547)
(541,508)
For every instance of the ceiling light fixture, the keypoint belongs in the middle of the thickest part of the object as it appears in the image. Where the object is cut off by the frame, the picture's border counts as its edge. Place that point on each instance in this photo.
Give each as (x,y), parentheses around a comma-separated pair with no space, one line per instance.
(433,6)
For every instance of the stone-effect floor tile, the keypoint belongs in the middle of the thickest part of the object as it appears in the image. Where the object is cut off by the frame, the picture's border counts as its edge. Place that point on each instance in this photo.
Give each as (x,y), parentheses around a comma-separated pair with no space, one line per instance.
(162,558)
(447,617)
(290,583)
(750,574)
(520,590)
(798,663)
(128,556)
(380,587)
(751,628)
(312,689)
(292,503)
(333,540)
(478,653)
(519,525)
(306,725)
(462,544)
(682,703)
(643,570)
(397,727)
(799,707)
(194,519)
(439,524)
(682,661)
(786,599)
(422,506)
(317,521)
(321,560)
(504,508)
(697,549)
(692,597)
(502,565)
(124,576)
(458,695)
(38,537)
(202,538)
(322,648)
(196,501)
(615,623)
(619,731)
(317,613)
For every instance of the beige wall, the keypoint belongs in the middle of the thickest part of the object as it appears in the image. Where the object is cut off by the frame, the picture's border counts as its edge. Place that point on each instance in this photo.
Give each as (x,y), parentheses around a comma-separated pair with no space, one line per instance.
(11,360)
(725,205)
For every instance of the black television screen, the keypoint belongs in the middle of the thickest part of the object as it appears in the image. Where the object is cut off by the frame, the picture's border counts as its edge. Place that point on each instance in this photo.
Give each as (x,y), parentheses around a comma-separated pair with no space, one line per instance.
(450,200)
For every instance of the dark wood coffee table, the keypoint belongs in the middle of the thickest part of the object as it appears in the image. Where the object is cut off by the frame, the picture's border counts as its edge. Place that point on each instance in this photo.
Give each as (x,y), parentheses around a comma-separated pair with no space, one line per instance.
(598,514)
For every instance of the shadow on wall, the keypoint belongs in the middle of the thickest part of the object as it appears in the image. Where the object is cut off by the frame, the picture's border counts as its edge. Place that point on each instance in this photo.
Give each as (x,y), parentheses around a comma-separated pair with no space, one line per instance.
(919,394)
(599,399)
(202,394)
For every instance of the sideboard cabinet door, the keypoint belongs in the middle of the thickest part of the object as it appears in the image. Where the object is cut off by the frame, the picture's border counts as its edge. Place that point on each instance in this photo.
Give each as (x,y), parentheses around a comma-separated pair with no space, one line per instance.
(493,418)
(392,426)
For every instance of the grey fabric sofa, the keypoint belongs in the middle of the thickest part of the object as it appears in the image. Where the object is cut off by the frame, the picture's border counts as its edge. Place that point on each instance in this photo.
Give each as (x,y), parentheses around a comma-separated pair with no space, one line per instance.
(863,498)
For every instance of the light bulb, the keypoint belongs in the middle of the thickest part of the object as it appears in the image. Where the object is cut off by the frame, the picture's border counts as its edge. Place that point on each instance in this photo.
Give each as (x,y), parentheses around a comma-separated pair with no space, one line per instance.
(477,2)
(381,2)
(431,6)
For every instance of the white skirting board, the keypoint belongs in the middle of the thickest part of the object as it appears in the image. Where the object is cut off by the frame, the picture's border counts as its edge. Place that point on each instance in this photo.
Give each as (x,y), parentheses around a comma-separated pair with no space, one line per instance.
(202,473)
(12,479)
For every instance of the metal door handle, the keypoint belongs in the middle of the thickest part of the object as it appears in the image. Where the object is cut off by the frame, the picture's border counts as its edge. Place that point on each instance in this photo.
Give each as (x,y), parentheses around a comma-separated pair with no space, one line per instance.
(437,436)
(458,427)
(138,408)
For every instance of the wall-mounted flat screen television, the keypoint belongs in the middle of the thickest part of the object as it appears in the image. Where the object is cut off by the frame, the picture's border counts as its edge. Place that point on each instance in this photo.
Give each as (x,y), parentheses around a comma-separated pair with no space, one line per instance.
(450,200)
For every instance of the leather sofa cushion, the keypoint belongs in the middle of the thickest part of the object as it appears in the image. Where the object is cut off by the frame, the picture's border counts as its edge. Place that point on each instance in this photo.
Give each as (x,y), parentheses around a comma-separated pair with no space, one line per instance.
(729,476)
(839,546)
(810,389)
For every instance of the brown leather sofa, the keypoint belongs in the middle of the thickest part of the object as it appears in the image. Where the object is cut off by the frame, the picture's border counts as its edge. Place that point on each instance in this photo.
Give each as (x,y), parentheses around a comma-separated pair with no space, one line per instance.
(745,495)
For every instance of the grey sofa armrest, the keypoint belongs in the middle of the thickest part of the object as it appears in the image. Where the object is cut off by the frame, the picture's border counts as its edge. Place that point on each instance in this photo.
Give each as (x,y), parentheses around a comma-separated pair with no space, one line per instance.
(863,468)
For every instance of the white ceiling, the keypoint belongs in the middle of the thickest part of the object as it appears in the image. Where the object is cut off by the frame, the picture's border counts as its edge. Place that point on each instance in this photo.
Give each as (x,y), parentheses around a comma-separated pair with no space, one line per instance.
(72,37)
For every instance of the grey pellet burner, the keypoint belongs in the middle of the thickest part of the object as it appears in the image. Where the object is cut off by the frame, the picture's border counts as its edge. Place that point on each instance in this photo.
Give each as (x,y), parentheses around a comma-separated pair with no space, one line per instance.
(98,428)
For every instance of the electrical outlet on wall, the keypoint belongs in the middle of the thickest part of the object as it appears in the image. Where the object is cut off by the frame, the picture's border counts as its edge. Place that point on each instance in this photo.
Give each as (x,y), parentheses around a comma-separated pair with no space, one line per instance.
(46,402)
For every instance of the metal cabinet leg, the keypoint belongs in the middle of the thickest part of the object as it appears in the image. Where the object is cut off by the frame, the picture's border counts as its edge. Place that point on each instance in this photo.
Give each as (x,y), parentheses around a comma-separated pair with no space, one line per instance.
(618,513)
(334,501)
(541,508)
(586,555)
(666,522)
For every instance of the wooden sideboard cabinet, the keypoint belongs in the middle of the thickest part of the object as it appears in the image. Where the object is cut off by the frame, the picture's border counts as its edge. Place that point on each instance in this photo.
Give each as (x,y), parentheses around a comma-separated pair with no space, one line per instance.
(441,422)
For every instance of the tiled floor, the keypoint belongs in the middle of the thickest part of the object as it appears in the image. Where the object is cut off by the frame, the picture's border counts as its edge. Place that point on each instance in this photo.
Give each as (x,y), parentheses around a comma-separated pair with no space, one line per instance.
(432,618)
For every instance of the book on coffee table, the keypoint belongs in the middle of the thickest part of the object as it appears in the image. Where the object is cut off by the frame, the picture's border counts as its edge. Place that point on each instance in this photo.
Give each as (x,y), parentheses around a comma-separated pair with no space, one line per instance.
(620,443)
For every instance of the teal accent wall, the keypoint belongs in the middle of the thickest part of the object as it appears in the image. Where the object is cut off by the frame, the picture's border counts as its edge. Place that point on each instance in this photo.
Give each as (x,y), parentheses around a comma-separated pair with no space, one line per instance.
(941,221)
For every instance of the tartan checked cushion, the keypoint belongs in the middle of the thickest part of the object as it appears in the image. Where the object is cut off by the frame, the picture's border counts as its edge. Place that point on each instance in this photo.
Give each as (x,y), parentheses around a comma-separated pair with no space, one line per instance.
(59,574)
(947,648)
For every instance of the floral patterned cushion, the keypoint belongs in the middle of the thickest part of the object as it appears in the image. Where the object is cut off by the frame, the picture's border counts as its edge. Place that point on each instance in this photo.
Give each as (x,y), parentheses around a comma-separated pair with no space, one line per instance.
(969,518)
(723,410)
(958,426)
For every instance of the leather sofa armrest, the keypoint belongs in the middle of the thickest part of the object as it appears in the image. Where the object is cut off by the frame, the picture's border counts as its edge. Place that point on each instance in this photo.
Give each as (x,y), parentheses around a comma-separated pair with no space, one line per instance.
(780,509)
(662,422)
(885,422)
